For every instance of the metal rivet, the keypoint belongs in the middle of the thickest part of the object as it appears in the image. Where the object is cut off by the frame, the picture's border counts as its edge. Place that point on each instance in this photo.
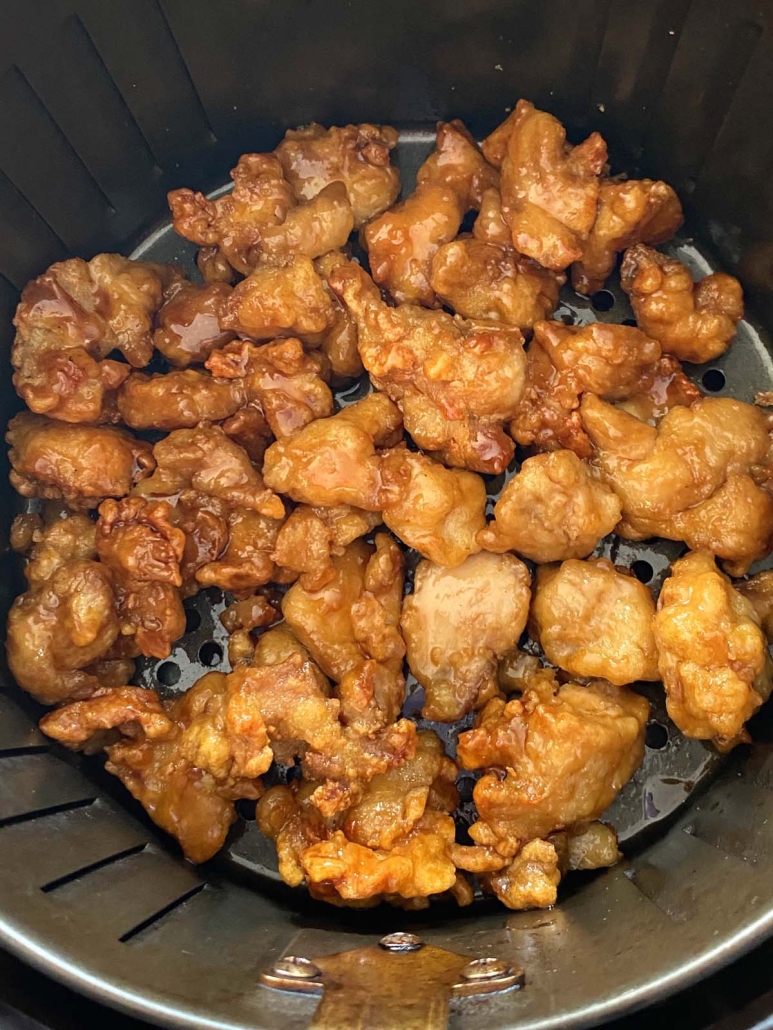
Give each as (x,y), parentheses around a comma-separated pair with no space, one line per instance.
(296,968)
(485,969)
(401,942)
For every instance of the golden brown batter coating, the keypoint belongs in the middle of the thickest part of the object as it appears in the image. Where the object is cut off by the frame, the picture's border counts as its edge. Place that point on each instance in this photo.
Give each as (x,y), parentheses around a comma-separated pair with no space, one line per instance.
(246,561)
(550,190)
(457,623)
(456,381)
(714,658)
(437,511)
(333,461)
(594,621)
(694,321)
(187,326)
(313,157)
(485,281)
(48,546)
(339,344)
(531,879)
(458,164)
(313,228)
(79,464)
(312,537)
(177,400)
(567,750)
(206,460)
(629,212)
(490,225)
(693,478)
(556,507)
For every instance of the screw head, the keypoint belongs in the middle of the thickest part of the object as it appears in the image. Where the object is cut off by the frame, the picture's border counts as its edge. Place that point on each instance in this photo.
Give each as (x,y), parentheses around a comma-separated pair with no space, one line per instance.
(296,968)
(485,969)
(401,942)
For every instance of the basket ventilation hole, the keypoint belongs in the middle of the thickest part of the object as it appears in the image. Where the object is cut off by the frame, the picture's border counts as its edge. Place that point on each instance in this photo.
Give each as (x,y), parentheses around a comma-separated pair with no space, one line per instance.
(656,736)
(168,673)
(642,570)
(603,300)
(210,653)
(192,620)
(629,321)
(713,379)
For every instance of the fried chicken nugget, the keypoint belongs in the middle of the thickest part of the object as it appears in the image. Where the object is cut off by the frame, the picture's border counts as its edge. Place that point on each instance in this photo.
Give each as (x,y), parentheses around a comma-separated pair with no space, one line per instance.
(312,536)
(188,324)
(178,400)
(458,164)
(714,658)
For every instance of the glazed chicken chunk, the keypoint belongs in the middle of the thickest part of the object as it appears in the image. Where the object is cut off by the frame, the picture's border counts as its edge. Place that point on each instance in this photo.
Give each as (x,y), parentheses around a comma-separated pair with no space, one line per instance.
(458,164)
(313,157)
(693,478)
(68,321)
(693,321)
(456,382)
(594,621)
(311,537)
(567,752)
(556,507)
(631,211)
(457,623)
(714,658)
(178,400)
(550,190)
(81,465)
(188,324)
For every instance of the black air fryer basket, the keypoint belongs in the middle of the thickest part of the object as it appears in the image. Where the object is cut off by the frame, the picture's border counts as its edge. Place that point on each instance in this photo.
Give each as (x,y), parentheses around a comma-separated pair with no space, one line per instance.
(107,104)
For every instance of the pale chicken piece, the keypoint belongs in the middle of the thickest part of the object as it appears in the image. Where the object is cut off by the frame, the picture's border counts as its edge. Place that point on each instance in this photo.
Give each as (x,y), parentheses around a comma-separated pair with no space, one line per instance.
(693,478)
(206,460)
(694,321)
(530,880)
(714,658)
(629,212)
(188,326)
(185,761)
(490,225)
(287,299)
(81,465)
(280,378)
(556,507)
(178,400)
(142,549)
(458,164)
(758,590)
(457,623)
(234,223)
(456,381)
(333,461)
(402,242)
(436,510)
(311,537)
(312,228)
(351,629)
(313,157)
(550,190)
(70,318)
(485,281)
(594,621)
(567,751)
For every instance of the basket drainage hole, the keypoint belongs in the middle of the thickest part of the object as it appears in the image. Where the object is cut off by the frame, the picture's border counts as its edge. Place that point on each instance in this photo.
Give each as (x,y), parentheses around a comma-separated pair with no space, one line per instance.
(168,673)
(210,653)
(642,570)
(629,321)
(192,620)
(603,300)
(713,379)
(656,736)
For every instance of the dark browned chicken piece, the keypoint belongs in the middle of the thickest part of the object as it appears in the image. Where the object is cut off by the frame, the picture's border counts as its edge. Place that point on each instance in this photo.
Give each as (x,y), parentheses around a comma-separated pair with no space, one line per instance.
(178,400)
(280,378)
(66,621)
(248,428)
(240,618)
(351,629)
(188,327)
(186,762)
(457,623)
(612,361)
(556,507)
(458,164)
(694,321)
(693,478)
(281,300)
(550,190)
(246,561)
(81,465)
(333,461)
(68,321)
(629,212)
(339,343)
(313,157)
(311,537)
(567,752)
(215,266)
(206,460)
(143,550)
(436,510)
(485,281)
(456,382)
(714,658)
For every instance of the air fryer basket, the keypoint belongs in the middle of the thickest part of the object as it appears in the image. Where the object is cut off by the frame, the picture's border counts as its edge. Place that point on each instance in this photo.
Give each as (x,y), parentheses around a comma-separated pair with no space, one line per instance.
(105,106)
